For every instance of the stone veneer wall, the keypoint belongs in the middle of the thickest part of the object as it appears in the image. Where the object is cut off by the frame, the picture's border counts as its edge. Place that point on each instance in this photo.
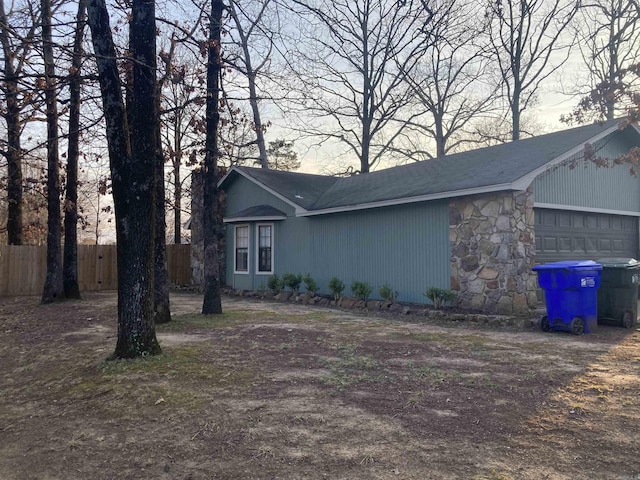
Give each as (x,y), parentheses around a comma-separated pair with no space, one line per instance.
(492,251)
(197,239)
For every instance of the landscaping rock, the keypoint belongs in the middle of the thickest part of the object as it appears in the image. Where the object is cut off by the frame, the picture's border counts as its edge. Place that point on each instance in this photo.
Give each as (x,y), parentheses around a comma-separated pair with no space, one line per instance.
(284,296)
(373,306)
(395,308)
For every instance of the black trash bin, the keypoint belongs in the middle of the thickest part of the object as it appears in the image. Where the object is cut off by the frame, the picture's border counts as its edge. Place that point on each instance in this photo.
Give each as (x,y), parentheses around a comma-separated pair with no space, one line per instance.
(618,293)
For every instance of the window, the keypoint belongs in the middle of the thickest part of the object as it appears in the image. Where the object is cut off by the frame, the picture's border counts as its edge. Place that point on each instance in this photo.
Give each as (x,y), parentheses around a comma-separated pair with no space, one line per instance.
(242,249)
(265,248)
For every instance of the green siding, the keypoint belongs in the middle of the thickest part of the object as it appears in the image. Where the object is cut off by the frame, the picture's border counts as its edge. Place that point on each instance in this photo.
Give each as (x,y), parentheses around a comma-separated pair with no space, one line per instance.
(243,193)
(405,246)
(590,186)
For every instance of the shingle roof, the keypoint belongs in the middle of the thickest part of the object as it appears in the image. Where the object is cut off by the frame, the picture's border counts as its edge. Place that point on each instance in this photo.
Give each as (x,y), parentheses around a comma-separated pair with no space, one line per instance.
(300,188)
(485,167)
(257,211)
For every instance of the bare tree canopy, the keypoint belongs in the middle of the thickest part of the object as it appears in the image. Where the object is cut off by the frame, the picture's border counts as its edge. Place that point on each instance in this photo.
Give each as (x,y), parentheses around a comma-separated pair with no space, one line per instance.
(608,34)
(452,82)
(526,38)
(352,62)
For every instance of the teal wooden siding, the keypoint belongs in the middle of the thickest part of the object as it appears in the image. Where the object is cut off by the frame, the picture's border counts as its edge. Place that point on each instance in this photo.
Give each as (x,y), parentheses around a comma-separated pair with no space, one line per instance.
(405,246)
(590,186)
(243,193)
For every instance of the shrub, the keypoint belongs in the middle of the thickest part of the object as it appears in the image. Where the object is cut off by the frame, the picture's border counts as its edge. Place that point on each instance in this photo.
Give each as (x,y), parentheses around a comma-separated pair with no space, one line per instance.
(336,286)
(440,296)
(275,283)
(310,284)
(361,290)
(292,281)
(387,293)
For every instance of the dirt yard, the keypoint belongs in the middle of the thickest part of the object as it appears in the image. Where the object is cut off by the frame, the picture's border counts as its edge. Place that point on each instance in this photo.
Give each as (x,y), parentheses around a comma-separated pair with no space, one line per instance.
(274,391)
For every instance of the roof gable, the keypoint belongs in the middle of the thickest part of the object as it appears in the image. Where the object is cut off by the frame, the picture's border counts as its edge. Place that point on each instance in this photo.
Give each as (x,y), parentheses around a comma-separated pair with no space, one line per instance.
(297,189)
(502,167)
(497,167)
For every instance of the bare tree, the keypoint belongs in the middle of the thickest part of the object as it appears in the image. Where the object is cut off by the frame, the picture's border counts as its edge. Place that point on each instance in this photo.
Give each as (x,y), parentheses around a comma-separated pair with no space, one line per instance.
(53,288)
(17,39)
(255,43)
(608,33)
(352,63)
(182,120)
(132,154)
(212,223)
(70,263)
(452,82)
(526,40)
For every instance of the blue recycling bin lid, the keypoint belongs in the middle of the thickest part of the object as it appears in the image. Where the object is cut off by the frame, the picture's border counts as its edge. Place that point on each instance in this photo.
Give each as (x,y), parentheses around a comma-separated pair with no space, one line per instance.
(569,265)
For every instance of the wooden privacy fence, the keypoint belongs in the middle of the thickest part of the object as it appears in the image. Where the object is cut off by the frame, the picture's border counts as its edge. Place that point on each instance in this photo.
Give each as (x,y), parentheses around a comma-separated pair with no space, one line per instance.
(23,268)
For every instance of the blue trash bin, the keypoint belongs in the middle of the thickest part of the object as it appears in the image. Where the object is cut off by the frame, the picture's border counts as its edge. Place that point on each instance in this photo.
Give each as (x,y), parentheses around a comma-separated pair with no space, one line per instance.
(571,295)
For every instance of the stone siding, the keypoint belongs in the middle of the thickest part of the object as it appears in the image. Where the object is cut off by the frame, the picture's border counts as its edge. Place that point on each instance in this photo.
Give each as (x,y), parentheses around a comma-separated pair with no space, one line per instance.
(492,251)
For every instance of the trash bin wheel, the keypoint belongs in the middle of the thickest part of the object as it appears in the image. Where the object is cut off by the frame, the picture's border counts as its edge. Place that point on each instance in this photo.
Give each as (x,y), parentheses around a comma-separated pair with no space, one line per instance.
(627,319)
(577,326)
(545,326)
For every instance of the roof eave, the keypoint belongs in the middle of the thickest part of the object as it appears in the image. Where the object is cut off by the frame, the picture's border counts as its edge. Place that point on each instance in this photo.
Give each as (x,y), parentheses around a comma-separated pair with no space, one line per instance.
(406,200)
(253,219)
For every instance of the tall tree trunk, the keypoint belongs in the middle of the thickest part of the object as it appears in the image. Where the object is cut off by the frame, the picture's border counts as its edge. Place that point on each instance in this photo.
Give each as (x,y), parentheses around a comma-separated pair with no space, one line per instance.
(70,267)
(212,228)
(53,289)
(14,150)
(257,121)
(610,102)
(177,199)
(441,141)
(161,306)
(177,181)
(131,171)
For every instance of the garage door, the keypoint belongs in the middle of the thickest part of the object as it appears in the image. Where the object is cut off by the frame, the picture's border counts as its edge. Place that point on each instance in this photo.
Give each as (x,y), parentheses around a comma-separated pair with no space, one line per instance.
(570,235)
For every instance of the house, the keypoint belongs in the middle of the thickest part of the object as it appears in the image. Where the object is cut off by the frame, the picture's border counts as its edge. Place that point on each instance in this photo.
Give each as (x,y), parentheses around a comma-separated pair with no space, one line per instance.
(475,222)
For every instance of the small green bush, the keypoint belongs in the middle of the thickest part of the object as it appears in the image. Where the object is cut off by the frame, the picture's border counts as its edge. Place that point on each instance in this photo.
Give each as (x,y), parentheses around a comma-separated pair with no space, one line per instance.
(337,287)
(440,296)
(361,290)
(292,281)
(387,293)
(310,284)
(275,283)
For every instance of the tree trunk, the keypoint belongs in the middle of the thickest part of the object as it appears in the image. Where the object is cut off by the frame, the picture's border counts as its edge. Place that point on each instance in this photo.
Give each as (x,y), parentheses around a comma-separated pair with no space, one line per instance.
(161,306)
(70,267)
(177,181)
(257,121)
(53,289)
(14,150)
(441,141)
(212,227)
(131,171)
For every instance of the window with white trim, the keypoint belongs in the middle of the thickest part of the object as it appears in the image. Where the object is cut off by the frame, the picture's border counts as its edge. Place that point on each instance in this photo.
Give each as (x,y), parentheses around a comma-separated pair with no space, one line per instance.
(242,248)
(265,248)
